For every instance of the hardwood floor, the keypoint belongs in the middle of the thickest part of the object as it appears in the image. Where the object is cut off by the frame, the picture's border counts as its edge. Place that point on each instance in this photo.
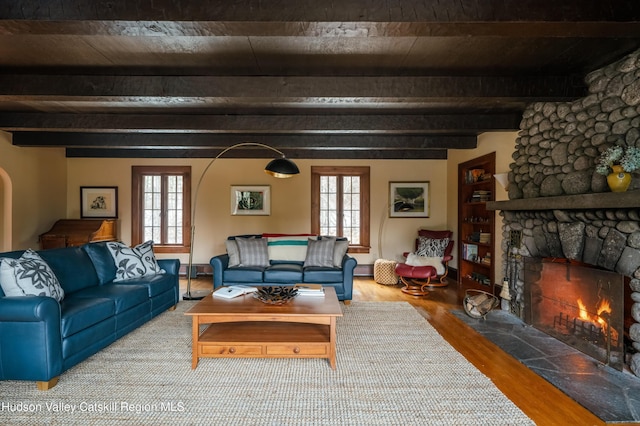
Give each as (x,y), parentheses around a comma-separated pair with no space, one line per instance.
(541,401)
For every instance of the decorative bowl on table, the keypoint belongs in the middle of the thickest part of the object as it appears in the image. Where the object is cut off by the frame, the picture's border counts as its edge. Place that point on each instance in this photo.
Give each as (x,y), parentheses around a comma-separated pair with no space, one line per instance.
(275,295)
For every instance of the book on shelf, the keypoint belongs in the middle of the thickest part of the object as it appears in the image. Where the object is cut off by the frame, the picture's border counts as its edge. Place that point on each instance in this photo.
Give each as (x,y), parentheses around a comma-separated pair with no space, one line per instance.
(485,237)
(309,289)
(479,196)
(229,292)
(470,252)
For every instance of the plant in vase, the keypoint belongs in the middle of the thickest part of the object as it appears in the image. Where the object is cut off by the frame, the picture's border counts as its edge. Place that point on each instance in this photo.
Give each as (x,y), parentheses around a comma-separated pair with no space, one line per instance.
(616,162)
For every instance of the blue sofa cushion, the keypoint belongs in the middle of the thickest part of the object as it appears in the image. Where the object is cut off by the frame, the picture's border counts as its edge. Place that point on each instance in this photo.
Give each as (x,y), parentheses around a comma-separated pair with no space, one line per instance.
(125,296)
(155,284)
(79,313)
(316,274)
(283,273)
(102,260)
(72,266)
(243,274)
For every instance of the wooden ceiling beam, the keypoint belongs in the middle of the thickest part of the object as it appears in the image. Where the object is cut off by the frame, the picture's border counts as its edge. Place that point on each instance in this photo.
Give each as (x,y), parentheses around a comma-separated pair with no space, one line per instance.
(204,142)
(539,29)
(312,10)
(324,89)
(293,153)
(208,123)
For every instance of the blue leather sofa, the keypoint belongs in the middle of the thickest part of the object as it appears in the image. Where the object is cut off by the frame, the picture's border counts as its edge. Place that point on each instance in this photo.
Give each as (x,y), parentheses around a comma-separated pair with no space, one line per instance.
(40,338)
(285,272)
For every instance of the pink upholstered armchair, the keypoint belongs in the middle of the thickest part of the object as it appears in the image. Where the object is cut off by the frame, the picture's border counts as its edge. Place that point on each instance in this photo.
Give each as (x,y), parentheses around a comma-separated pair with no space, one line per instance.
(422,269)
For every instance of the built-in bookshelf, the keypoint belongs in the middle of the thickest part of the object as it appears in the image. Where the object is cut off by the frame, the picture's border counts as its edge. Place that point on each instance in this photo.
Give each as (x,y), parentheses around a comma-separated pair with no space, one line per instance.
(476,224)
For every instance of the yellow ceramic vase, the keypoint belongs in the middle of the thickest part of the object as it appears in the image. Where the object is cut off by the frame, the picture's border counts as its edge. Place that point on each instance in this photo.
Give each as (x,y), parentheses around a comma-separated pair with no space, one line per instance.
(618,180)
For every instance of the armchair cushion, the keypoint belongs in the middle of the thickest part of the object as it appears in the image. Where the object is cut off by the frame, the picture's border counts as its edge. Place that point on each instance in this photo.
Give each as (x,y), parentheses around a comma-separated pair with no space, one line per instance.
(416,260)
(432,247)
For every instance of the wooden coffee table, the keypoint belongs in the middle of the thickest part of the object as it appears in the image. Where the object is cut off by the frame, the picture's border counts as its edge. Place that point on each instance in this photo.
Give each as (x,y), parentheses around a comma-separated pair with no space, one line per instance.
(244,327)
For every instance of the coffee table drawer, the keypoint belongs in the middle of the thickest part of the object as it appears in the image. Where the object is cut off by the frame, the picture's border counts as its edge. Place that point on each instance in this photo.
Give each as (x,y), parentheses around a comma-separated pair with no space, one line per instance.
(294,349)
(230,350)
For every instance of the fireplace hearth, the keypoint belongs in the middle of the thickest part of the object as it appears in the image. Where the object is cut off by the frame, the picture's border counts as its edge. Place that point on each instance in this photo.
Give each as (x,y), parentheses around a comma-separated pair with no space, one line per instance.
(577,304)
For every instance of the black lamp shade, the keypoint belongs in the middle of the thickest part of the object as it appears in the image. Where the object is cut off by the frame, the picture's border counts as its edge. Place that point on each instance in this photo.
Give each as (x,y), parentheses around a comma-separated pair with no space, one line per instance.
(281,168)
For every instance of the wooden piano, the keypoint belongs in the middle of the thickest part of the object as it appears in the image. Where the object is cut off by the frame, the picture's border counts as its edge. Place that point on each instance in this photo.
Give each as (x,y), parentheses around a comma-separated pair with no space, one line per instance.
(76,232)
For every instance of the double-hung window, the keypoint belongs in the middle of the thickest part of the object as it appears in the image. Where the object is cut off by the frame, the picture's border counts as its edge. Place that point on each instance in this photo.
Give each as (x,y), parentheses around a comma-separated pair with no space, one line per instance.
(340,204)
(161,207)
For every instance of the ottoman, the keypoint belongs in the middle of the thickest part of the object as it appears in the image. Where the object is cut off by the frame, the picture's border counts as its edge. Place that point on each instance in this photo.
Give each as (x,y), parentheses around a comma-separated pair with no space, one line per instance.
(417,279)
(384,272)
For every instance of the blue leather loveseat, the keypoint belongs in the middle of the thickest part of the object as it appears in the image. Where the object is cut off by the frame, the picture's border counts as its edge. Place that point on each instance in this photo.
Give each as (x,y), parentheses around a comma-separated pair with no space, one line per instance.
(287,264)
(40,338)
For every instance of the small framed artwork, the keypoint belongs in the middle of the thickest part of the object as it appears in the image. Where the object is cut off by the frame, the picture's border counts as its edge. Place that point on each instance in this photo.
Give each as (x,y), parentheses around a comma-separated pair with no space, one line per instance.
(100,202)
(251,200)
(408,199)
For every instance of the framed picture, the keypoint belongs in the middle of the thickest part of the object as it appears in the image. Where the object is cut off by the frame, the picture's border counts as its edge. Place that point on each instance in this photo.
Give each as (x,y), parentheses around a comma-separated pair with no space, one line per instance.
(99,202)
(251,200)
(408,199)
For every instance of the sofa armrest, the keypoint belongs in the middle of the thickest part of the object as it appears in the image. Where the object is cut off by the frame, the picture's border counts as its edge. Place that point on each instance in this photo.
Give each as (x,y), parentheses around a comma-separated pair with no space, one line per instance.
(219,264)
(171,266)
(348,265)
(30,339)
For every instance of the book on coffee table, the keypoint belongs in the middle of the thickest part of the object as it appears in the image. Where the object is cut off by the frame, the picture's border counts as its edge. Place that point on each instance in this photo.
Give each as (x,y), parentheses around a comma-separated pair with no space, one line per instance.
(232,291)
(310,289)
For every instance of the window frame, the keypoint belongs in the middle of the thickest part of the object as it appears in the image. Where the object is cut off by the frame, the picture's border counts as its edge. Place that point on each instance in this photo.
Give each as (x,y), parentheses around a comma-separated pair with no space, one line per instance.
(364,173)
(137,203)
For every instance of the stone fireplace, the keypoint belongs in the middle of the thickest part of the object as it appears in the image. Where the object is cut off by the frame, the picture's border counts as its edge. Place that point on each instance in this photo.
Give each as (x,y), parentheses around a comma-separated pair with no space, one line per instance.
(560,208)
(577,304)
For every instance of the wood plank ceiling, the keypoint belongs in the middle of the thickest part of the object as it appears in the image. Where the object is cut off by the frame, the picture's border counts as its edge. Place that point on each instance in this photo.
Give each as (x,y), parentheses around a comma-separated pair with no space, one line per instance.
(352,79)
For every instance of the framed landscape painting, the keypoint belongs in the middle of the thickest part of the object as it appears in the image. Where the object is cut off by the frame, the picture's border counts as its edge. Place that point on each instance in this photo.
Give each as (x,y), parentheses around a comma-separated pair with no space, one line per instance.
(408,199)
(99,202)
(251,200)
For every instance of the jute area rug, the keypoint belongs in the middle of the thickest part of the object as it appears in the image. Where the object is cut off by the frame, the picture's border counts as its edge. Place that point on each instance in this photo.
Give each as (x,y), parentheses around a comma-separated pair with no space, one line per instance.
(393,368)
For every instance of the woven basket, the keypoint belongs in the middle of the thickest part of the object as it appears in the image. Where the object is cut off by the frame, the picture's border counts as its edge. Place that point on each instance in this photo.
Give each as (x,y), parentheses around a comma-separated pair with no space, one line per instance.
(478,303)
(384,272)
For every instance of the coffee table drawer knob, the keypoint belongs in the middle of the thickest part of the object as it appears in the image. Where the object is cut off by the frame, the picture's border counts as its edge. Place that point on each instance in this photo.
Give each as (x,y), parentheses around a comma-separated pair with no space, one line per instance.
(232,350)
(296,350)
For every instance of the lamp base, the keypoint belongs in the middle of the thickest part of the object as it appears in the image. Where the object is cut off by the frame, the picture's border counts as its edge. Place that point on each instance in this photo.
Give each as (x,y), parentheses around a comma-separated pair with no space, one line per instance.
(196,295)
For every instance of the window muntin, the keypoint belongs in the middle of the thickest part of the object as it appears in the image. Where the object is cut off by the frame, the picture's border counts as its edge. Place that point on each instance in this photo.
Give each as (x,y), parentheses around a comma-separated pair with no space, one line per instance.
(161,205)
(340,204)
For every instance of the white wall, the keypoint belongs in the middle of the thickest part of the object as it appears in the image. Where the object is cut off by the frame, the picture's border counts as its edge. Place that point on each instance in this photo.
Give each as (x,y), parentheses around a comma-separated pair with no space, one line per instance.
(39,197)
(290,199)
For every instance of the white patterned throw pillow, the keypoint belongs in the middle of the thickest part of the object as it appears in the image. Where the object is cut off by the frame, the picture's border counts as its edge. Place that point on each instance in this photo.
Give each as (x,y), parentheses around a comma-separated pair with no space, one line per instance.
(134,262)
(29,275)
(432,247)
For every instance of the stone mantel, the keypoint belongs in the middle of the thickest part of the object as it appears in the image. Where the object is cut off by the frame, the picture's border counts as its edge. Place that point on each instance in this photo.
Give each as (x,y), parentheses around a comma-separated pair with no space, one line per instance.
(604,200)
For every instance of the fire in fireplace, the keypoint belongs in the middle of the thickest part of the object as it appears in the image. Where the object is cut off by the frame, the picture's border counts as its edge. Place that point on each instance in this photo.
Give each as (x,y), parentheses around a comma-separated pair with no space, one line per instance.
(578,304)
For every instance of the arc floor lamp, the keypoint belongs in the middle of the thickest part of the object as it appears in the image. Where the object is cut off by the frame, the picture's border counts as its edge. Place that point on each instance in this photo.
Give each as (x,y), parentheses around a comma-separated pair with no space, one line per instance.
(278,167)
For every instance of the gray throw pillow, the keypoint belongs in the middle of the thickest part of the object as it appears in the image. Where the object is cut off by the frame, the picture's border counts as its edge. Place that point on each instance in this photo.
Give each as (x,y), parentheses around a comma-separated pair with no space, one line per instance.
(253,252)
(431,247)
(320,252)
(339,250)
(29,275)
(233,252)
